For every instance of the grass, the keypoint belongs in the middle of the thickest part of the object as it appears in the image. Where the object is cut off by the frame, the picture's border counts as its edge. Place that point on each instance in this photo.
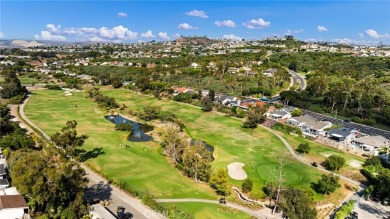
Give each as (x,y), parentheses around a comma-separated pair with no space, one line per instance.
(205,210)
(143,166)
(257,149)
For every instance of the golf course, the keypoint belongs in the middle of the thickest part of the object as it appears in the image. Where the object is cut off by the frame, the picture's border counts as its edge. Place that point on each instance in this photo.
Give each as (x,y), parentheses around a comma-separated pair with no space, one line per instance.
(144,167)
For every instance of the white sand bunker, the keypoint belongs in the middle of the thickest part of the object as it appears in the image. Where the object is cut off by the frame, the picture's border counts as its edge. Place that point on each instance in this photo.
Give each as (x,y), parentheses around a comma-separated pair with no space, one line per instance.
(236,172)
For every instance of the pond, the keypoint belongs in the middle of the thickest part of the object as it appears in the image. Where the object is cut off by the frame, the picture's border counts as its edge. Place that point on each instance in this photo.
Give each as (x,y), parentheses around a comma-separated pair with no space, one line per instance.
(138,131)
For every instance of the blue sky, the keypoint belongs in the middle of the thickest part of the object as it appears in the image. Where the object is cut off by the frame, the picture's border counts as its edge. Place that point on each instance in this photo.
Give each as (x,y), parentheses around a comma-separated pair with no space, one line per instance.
(366,22)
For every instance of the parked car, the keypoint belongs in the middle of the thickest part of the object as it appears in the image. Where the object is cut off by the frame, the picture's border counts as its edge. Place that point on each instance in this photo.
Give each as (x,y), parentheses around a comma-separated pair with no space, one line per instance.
(222,201)
(314,164)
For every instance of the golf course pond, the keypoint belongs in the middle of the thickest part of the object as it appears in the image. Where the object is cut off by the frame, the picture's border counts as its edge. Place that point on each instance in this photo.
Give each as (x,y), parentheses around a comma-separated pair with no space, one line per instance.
(138,130)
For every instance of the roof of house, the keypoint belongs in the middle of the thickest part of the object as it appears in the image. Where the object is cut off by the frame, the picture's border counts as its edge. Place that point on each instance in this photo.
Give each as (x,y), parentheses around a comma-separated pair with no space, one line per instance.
(340,132)
(12,201)
(260,103)
(376,141)
(219,98)
(316,125)
(181,89)
(279,113)
(303,119)
(289,108)
(2,170)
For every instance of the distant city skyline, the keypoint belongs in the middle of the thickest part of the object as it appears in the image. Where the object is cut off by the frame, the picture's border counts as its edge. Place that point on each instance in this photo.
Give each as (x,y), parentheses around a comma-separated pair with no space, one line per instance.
(360,22)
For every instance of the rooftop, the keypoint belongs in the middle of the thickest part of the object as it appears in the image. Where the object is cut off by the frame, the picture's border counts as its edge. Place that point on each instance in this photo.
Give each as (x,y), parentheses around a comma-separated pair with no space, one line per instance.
(12,201)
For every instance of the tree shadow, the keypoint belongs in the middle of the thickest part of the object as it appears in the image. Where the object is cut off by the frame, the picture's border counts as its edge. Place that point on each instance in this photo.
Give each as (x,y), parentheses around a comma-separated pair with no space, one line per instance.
(101,191)
(86,155)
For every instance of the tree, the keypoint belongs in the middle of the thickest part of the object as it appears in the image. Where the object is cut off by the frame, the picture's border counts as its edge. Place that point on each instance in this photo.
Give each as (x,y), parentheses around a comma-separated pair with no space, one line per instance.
(254,117)
(11,87)
(293,65)
(296,112)
(212,95)
(334,162)
(373,161)
(304,148)
(219,182)
(91,92)
(247,185)
(150,112)
(67,138)
(171,140)
(327,184)
(383,187)
(197,161)
(50,184)
(207,104)
(116,82)
(296,204)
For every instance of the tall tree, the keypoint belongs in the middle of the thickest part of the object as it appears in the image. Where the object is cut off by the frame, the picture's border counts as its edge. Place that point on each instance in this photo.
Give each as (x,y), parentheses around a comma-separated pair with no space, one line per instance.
(172,142)
(296,204)
(197,161)
(254,117)
(327,184)
(67,138)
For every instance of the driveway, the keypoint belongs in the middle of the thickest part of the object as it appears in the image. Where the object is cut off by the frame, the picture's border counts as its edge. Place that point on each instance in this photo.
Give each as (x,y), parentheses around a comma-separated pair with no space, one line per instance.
(370,209)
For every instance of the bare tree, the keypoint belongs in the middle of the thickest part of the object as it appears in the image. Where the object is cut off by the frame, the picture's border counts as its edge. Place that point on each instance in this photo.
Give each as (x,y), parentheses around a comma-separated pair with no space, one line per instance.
(173,143)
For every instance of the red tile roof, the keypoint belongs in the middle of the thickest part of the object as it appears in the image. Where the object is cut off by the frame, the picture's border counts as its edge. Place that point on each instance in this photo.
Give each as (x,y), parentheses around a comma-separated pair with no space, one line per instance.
(12,201)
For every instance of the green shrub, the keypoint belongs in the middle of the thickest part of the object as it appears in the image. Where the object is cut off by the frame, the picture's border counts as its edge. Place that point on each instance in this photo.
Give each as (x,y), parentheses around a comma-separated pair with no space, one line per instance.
(345,210)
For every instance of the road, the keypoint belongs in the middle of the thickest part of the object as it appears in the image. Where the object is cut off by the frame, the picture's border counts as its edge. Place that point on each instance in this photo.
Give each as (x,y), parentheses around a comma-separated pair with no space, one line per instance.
(297,79)
(359,127)
(116,196)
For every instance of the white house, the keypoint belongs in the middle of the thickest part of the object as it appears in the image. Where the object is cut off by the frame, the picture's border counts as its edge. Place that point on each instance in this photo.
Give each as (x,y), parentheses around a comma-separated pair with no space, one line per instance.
(316,128)
(371,143)
(195,65)
(13,206)
(279,114)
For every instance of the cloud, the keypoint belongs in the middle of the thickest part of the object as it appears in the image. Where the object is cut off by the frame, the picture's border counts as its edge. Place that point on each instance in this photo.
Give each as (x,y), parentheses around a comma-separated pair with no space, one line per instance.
(176,35)
(97,39)
(118,32)
(53,28)
(196,13)
(322,28)
(164,36)
(257,24)
(361,35)
(375,35)
(80,31)
(186,26)
(2,35)
(291,32)
(226,23)
(148,34)
(232,37)
(121,14)
(46,35)
(344,41)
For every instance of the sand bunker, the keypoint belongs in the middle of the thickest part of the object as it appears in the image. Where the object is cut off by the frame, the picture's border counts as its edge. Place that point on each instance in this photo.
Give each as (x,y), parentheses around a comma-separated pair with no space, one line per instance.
(236,172)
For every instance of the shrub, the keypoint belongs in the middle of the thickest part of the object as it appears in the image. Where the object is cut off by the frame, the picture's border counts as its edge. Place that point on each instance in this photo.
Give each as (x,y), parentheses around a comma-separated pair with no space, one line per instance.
(334,162)
(303,148)
(247,185)
(345,210)
(124,127)
(52,87)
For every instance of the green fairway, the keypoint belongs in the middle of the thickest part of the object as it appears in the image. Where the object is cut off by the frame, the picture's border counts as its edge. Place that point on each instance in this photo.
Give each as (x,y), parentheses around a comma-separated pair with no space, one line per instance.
(206,210)
(257,149)
(142,166)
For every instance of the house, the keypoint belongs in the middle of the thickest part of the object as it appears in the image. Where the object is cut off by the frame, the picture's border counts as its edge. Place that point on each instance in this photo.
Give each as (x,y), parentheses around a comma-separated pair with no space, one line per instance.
(232,70)
(309,125)
(315,128)
(205,93)
(270,72)
(300,120)
(13,206)
(186,90)
(371,143)
(341,134)
(279,114)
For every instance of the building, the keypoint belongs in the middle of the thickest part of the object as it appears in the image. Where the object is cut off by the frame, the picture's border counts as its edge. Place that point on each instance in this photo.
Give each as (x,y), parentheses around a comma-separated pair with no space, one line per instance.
(371,143)
(270,72)
(13,206)
(316,128)
(341,134)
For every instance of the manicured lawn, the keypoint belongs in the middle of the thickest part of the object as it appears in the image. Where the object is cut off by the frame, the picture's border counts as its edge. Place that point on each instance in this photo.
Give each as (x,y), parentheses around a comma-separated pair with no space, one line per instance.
(206,211)
(257,149)
(142,166)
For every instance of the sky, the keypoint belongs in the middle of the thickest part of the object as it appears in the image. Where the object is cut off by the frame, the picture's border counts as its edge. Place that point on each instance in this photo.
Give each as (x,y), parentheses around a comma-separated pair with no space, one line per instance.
(360,22)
